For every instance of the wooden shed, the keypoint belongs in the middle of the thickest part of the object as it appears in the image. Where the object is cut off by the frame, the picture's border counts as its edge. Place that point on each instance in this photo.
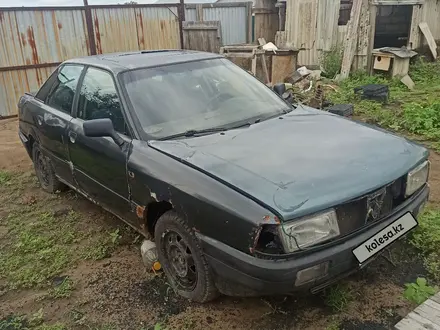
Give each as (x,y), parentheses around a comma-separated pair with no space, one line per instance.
(318,26)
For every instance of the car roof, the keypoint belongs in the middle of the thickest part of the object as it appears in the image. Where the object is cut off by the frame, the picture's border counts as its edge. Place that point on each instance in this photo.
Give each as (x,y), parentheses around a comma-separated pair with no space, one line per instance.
(118,62)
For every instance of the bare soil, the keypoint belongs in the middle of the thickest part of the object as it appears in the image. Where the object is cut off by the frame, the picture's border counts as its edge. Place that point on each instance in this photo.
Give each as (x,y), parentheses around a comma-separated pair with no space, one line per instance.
(117,292)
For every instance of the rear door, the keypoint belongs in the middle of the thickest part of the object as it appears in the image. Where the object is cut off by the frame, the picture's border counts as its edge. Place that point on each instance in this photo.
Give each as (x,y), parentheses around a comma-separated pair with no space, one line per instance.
(53,112)
(99,163)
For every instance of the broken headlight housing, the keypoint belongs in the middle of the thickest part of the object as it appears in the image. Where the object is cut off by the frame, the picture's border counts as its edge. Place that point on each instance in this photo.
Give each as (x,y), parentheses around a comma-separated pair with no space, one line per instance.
(309,231)
(416,178)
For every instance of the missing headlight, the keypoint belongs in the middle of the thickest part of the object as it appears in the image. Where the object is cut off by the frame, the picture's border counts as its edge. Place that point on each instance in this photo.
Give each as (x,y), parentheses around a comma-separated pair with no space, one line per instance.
(269,241)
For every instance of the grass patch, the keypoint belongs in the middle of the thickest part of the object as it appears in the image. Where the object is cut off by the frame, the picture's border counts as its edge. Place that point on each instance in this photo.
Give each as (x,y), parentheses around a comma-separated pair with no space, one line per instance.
(426,238)
(103,247)
(23,322)
(5,177)
(63,290)
(337,297)
(331,62)
(40,249)
(416,112)
(44,236)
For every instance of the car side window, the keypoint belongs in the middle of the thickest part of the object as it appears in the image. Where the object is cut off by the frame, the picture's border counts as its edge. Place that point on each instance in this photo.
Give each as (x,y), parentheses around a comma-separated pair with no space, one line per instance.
(62,91)
(98,98)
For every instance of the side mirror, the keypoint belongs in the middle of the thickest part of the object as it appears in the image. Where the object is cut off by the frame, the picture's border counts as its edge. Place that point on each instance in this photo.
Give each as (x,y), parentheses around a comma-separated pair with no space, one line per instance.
(101,127)
(280,89)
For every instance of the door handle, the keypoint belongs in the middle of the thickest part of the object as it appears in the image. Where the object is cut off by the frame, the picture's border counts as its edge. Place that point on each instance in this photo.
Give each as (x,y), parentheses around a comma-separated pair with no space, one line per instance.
(72,136)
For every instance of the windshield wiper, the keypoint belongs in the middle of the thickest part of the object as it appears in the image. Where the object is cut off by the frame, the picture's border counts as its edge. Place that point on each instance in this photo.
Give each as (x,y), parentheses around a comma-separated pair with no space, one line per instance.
(194,132)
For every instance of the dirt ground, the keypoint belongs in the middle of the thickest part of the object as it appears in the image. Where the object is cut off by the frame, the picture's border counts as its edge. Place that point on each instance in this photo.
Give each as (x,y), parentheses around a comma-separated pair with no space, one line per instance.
(113,290)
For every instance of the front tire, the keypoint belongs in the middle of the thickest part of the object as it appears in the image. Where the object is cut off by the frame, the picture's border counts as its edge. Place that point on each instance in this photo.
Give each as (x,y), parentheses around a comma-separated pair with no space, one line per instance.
(182,259)
(44,170)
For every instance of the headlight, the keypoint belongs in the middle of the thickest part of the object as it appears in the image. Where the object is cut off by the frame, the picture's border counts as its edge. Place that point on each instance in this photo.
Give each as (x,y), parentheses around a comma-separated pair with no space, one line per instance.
(416,178)
(309,231)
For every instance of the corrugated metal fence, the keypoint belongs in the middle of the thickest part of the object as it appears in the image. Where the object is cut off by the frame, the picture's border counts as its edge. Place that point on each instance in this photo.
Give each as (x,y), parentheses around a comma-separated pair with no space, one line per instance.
(35,40)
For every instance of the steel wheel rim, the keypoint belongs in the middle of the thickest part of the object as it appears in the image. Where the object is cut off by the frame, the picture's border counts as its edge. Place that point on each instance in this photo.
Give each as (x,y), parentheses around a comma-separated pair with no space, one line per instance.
(43,171)
(182,266)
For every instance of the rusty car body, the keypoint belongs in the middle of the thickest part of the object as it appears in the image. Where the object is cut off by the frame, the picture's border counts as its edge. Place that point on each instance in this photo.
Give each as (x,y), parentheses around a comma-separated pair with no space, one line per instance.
(243,193)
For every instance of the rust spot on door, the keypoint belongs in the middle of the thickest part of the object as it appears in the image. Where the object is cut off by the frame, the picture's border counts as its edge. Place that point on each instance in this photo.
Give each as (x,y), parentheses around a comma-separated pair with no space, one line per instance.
(31,41)
(162,25)
(60,26)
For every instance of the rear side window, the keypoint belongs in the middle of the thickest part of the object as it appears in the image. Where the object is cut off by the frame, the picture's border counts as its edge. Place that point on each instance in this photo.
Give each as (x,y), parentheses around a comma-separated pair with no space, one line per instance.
(99,99)
(63,88)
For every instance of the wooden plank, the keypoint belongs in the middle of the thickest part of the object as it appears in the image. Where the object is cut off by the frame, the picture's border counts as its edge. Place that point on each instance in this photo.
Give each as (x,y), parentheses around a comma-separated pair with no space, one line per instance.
(425,316)
(266,72)
(361,54)
(414,322)
(428,313)
(433,304)
(436,298)
(254,63)
(373,14)
(429,38)
(351,39)
(400,67)
(414,41)
(242,55)
(408,82)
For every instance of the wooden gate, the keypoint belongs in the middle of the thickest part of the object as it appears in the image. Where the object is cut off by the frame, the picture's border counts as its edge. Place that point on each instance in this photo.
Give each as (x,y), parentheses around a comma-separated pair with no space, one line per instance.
(204,36)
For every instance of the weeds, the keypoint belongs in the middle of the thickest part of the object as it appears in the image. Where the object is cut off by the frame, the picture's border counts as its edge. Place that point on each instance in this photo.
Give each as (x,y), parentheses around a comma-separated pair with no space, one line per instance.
(63,290)
(337,297)
(426,238)
(416,112)
(419,291)
(22,322)
(5,177)
(103,247)
(331,62)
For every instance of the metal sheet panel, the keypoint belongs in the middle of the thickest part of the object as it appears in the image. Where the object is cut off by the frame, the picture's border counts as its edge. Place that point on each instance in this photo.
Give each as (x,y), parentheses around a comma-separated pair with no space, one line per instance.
(190,14)
(327,24)
(135,28)
(158,28)
(44,36)
(233,22)
(13,84)
(301,16)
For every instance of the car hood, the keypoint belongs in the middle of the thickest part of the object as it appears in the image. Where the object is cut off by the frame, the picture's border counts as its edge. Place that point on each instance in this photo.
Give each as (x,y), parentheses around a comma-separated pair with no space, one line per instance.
(300,163)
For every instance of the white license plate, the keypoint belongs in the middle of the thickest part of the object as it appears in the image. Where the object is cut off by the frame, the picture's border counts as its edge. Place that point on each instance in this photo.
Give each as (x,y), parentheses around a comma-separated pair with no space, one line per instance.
(385,237)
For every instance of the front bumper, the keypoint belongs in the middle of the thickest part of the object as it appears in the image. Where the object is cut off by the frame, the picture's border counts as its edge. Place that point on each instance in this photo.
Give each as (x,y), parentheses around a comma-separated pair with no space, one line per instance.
(238,273)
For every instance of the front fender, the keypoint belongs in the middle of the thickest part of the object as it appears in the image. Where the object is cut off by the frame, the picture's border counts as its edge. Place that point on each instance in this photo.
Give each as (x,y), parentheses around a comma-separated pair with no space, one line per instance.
(208,206)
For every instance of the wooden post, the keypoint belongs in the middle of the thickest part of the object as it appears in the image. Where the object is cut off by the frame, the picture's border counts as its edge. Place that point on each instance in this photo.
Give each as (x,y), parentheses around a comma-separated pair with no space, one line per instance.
(181,20)
(90,30)
(266,20)
(351,39)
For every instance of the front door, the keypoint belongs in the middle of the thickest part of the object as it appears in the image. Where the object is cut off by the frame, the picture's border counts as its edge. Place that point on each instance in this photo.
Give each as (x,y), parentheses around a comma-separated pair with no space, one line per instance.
(99,163)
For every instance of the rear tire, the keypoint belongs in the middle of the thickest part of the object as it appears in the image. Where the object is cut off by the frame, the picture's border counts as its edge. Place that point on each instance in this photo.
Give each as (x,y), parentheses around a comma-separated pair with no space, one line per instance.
(182,259)
(45,173)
